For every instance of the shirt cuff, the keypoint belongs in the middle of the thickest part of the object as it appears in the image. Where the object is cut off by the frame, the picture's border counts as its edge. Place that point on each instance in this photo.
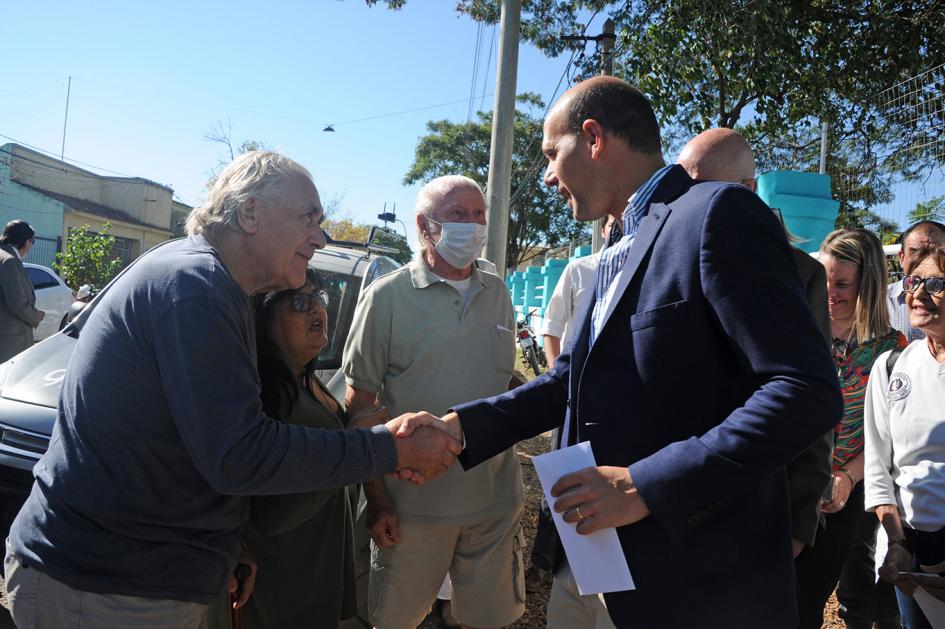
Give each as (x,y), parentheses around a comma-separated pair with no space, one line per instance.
(383,450)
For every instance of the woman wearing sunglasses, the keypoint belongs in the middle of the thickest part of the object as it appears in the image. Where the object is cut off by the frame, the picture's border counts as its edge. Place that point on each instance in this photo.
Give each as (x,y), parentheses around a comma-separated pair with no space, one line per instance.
(859,323)
(302,543)
(905,443)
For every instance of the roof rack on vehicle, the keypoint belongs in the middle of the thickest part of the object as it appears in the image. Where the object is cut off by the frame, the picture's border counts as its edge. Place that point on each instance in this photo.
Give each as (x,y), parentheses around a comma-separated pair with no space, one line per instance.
(367,246)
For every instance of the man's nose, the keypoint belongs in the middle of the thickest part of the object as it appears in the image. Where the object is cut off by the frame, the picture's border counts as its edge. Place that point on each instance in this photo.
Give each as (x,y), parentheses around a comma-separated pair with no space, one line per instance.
(549,178)
(318,237)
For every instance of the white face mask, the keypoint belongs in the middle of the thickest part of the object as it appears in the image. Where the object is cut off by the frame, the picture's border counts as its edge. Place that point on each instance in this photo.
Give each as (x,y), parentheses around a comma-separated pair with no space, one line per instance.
(460,243)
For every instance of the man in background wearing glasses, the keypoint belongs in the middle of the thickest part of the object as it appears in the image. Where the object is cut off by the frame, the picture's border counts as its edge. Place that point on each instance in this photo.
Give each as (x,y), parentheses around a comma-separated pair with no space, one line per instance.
(917,237)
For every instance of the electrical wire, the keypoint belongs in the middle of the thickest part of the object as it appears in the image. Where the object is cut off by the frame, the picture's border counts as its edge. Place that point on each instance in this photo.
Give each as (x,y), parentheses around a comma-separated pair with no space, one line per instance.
(475,72)
(30,89)
(275,115)
(539,158)
(99,179)
(488,65)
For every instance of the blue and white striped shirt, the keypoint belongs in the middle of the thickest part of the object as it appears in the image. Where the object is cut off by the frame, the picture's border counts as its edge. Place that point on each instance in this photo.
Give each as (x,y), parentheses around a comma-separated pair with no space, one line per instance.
(614,257)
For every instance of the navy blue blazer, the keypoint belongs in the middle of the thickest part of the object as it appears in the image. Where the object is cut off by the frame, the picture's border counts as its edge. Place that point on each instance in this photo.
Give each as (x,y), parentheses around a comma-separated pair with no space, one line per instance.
(708,376)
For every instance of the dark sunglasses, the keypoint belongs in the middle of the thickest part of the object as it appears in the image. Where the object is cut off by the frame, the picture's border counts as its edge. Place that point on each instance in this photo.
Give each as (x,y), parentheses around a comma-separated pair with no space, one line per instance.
(307,302)
(933,285)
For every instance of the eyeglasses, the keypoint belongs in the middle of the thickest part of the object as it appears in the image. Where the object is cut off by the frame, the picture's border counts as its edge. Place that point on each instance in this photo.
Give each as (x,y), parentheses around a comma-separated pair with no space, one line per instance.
(307,302)
(933,285)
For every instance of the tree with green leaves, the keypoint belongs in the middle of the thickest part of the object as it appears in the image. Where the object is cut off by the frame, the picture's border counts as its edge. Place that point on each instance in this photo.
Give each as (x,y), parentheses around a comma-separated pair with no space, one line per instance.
(89,258)
(389,238)
(931,210)
(349,230)
(346,229)
(777,70)
(537,215)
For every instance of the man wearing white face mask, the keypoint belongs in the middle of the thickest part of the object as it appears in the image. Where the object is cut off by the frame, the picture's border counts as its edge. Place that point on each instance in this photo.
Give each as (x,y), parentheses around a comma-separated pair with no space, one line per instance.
(431,335)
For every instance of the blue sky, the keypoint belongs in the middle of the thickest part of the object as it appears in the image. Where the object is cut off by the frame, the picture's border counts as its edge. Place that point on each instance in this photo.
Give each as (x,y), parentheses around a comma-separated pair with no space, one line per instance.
(150,79)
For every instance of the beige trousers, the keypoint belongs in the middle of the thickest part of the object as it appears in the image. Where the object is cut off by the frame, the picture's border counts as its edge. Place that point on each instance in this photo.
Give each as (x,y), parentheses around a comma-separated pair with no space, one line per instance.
(568,609)
(37,600)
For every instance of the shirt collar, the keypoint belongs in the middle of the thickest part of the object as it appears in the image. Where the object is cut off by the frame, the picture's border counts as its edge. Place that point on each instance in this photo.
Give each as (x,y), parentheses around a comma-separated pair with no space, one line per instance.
(638,204)
(896,293)
(421,276)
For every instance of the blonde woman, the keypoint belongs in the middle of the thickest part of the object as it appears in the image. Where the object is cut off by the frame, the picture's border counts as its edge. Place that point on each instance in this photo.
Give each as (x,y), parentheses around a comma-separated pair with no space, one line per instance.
(859,323)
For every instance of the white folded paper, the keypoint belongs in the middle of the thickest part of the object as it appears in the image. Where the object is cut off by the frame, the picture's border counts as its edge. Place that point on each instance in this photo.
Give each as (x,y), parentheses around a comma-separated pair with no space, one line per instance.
(597,560)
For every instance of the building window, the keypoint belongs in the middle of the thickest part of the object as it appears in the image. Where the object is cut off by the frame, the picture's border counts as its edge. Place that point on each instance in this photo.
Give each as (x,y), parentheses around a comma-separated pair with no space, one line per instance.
(126,249)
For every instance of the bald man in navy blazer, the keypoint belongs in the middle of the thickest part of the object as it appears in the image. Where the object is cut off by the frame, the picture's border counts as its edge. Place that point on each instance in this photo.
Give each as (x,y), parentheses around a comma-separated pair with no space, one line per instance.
(698,373)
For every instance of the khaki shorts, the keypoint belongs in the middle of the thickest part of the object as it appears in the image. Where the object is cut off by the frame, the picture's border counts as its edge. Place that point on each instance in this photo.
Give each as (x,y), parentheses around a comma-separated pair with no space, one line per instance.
(483,559)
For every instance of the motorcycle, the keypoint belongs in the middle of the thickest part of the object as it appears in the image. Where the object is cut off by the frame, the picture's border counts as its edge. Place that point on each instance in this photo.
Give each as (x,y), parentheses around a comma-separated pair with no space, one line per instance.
(82,298)
(532,354)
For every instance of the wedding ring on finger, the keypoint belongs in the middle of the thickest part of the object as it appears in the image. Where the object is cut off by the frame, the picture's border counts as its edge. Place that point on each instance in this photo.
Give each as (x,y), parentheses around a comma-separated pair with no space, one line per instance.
(577,512)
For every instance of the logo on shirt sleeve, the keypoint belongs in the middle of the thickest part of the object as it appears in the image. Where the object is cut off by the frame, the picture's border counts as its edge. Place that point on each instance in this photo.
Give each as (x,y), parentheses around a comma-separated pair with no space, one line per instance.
(900,386)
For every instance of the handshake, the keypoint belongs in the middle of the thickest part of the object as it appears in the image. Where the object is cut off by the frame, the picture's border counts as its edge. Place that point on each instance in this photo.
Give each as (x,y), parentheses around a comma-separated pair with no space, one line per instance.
(426,445)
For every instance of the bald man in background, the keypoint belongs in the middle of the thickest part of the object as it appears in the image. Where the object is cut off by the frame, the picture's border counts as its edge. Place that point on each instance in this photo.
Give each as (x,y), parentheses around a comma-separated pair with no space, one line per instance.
(724,155)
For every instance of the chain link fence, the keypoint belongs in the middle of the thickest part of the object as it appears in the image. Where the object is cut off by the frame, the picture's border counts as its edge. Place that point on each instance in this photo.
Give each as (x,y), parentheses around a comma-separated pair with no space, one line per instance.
(890,172)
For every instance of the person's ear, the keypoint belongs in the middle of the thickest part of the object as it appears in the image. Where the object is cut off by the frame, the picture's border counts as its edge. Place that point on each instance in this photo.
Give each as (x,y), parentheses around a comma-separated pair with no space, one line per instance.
(248,216)
(593,134)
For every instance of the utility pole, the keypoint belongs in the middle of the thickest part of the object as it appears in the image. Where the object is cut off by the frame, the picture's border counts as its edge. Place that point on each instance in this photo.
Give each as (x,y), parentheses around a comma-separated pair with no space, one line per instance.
(606,40)
(498,187)
(823,147)
(62,153)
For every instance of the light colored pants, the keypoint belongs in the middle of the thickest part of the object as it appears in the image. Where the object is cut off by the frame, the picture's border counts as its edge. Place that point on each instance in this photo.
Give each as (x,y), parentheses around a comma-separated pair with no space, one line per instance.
(568,609)
(37,601)
(484,562)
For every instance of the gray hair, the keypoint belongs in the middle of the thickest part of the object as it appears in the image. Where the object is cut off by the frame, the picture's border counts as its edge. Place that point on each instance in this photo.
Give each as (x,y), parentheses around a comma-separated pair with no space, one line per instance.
(432,193)
(264,175)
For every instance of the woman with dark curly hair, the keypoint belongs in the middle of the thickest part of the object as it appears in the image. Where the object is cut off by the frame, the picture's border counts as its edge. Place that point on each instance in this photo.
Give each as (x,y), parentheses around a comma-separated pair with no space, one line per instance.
(302,543)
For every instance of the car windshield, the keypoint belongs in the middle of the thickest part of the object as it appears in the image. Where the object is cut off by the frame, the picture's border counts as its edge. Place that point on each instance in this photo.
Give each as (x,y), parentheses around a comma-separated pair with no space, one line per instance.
(342,298)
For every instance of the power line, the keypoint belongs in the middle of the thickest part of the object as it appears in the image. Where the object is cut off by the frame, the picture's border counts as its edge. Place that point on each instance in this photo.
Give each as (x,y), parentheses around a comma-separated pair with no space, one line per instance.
(271,114)
(408,111)
(536,163)
(475,72)
(488,65)
(30,89)
(53,156)
(92,176)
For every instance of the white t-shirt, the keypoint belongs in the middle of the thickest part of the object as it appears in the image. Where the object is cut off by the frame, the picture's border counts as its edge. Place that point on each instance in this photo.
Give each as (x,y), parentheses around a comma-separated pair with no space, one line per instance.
(904,427)
(461,286)
(575,288)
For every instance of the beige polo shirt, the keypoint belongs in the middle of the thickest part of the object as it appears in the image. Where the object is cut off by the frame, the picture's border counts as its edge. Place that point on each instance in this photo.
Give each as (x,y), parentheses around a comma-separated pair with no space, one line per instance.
(421,347)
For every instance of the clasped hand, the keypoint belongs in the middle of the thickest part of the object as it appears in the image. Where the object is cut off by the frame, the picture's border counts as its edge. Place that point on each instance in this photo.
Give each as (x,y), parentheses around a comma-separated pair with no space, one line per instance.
(426,446)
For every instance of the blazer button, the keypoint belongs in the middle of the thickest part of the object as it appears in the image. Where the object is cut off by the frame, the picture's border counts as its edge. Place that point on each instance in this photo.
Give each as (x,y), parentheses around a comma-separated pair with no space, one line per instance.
(693,520)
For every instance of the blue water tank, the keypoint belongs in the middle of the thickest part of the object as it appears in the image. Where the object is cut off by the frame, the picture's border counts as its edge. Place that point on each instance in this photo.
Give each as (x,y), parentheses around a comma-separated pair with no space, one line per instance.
(805,203)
